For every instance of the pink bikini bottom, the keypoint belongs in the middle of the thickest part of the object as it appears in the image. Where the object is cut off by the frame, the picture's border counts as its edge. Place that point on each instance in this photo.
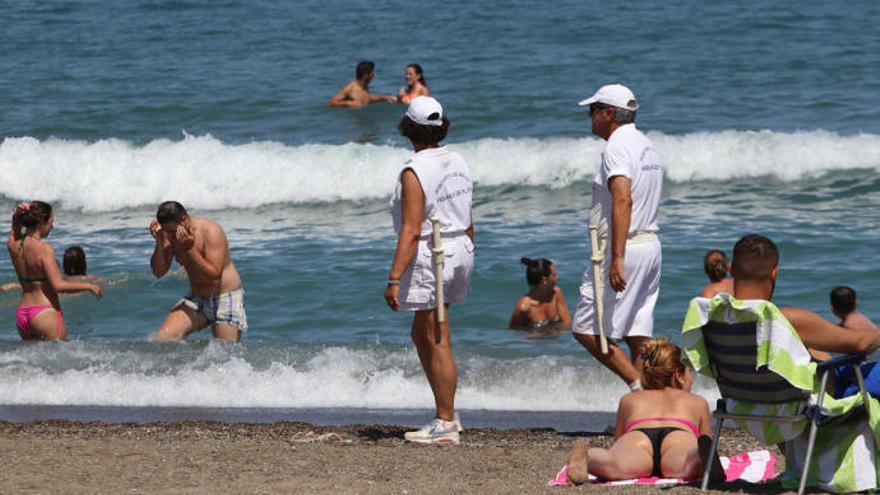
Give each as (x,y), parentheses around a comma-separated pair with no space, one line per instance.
(26,314)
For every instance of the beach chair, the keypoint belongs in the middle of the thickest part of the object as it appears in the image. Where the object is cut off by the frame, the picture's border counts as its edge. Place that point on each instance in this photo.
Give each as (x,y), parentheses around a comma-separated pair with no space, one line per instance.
(770,387)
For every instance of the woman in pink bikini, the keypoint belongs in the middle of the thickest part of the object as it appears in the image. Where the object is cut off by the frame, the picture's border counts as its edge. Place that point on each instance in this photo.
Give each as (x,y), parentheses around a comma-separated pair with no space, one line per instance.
(39,315)
(663,430)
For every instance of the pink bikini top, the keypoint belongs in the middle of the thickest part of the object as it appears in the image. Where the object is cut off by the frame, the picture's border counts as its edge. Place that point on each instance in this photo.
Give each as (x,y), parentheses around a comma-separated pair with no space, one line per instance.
(691,426)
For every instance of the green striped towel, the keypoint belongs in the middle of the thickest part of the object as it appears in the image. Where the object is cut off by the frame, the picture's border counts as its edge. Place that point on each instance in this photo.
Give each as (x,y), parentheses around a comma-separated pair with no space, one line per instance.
(845,457)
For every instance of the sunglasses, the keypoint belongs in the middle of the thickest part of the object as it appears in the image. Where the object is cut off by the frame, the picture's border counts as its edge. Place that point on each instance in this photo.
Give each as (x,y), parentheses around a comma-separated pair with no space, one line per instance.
(597,107)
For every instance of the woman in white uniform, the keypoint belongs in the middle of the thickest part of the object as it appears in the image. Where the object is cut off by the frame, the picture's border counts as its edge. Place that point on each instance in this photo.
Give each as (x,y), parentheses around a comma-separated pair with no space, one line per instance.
(433,183)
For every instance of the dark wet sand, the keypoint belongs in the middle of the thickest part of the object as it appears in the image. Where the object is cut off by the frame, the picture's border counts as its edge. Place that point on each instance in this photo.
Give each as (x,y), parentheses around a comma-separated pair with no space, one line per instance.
(234,458)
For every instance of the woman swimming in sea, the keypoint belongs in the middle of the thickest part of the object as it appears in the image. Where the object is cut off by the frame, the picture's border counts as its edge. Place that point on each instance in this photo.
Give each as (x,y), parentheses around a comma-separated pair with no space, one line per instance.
(716,266)
(39,314)
(663,430)
(544,305)
(415,84)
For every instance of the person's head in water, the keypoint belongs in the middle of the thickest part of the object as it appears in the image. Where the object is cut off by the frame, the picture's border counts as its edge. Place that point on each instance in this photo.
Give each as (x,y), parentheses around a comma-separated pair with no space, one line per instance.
(171,214)
(37,217)
(843,301)
(424,122)
(365,71)
(414,74)
(540,272)
(715,265)
(755,258)
(74,261)
(662,366)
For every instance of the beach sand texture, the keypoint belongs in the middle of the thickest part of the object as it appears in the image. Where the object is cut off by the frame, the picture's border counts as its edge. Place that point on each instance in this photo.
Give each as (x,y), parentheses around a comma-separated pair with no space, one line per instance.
(219,458)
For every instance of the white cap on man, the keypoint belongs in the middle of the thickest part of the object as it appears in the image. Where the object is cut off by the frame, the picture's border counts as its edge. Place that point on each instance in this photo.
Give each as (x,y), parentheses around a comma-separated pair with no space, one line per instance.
(616,95)
(424,110)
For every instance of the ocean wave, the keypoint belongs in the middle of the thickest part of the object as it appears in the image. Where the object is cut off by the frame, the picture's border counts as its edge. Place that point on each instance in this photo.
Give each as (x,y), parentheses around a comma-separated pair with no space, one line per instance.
(201,171)
(83,375)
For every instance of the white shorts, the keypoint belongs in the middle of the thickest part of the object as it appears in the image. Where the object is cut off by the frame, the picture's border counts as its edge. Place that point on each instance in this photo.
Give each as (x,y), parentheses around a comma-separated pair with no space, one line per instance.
(629,313)
(417,286)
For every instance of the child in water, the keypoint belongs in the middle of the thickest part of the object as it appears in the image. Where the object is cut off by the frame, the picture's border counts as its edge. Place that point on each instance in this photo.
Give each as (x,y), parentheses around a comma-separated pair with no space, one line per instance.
(73,265)
(843,304)
(544,305)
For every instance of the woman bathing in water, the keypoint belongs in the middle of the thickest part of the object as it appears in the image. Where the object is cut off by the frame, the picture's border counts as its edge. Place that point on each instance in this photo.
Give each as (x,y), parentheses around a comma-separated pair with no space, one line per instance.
(663,430)
(544,305)
(415,84)
(716,266)
(39,314)
(74,266)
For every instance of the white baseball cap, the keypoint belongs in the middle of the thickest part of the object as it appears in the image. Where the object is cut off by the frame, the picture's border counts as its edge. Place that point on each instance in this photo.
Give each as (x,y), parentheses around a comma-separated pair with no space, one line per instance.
(425,110)
(616,95)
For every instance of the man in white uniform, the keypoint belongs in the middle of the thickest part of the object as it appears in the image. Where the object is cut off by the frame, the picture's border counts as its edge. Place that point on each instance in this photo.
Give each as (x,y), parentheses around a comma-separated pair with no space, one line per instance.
(626,196)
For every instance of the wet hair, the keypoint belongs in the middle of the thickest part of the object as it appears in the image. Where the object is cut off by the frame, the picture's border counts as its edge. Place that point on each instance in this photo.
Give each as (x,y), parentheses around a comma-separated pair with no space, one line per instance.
(536,270)
(754,257)
(170,211)
(37,213)
(661,360)
(363,68)
(843,299)
(74,261)
(423,134)
(715,265)
(418,69)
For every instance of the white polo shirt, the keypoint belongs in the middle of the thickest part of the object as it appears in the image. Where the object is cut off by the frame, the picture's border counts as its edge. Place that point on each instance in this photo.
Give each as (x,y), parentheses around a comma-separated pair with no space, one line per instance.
(629,153)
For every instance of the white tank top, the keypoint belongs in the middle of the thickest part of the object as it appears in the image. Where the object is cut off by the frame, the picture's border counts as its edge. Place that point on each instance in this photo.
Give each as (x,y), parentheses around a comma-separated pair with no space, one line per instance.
(446,183)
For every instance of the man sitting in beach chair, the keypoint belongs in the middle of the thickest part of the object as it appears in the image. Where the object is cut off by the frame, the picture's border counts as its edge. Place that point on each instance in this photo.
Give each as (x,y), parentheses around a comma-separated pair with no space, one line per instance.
(779,379)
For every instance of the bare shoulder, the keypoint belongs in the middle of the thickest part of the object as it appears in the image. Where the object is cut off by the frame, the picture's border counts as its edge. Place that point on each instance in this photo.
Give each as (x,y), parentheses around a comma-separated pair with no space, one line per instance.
(523,303)
(211,230)
(696,399)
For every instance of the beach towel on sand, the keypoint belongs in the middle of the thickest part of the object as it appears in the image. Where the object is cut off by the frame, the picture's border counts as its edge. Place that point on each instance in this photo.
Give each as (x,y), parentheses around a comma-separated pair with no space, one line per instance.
(845,457)
(754,467)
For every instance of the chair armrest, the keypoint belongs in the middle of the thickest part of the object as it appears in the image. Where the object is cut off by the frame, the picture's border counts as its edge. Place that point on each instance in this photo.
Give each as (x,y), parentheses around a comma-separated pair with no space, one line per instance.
(853,359)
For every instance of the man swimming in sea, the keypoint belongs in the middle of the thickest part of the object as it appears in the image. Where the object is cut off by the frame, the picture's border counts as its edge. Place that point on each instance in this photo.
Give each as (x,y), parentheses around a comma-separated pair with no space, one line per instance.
(216,297)
(356,94)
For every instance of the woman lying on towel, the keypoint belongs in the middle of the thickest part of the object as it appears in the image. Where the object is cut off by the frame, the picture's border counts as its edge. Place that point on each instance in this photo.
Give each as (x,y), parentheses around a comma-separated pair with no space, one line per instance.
(661,431)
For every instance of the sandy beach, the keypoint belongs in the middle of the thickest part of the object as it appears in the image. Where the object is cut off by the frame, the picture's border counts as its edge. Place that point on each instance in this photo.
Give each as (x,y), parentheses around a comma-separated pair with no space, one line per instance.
(286,457)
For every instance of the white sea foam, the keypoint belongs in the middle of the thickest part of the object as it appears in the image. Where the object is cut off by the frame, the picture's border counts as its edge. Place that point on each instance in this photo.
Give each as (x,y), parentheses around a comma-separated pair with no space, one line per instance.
(333,377)
(201,171)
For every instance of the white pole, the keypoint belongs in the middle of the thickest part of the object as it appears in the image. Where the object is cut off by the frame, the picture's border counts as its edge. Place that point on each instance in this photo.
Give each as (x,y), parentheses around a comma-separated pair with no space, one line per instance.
(437,250)
(598,256)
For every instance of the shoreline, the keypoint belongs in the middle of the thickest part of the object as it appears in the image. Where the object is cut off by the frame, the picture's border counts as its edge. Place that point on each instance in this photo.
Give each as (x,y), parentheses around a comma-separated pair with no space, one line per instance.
(296,457)
(319,416)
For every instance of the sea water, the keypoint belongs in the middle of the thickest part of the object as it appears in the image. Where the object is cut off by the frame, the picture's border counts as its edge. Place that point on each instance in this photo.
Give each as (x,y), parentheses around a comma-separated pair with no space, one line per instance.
(765,117)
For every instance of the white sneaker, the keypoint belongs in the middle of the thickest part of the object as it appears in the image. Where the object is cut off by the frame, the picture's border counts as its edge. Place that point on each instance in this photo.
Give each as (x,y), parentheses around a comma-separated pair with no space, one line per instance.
(436,432)
(457,420)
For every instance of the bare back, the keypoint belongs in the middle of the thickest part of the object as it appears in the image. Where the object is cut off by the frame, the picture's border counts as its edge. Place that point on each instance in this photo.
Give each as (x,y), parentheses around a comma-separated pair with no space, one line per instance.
(352,95)
(31,258)
(666,403)
(714,288)
(858,320)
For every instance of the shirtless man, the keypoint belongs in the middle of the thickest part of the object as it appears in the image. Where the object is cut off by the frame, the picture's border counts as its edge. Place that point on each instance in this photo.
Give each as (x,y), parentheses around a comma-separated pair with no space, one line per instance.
(356,94)
(755,269)
(216,297)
